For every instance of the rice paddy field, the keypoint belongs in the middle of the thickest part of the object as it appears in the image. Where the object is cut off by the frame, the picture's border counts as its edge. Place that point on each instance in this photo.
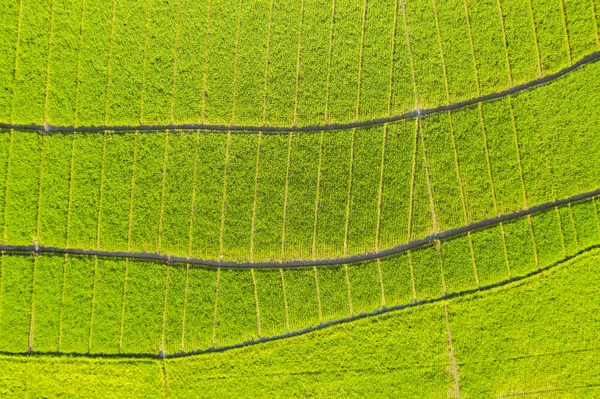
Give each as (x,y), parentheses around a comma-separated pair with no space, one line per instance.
(318,198)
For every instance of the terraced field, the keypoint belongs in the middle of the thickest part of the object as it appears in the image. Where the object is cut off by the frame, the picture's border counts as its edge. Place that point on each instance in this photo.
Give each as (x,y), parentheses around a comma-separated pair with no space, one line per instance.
(184,179)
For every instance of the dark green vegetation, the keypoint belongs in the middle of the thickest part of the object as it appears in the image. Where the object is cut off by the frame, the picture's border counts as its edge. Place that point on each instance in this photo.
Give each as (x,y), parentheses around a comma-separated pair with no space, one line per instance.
(500,338)
(256,62)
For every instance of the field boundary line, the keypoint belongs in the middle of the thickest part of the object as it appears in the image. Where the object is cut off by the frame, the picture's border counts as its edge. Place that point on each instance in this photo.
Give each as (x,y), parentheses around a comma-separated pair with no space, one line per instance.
(286,196)
(411,58)
(193,199)
(16,63)
(78,77)
(443,235)
(566,29)
(223,203)
(214,329)
(595,215)
(165,377)
(255,199)
(535,39)
(109,61)
(317,198)
(453,363)
(143,85)
(205,69)
(38,217)
(32,314)
(285,302)
(175,50)
(90,335)
(318,292)
(330,56)
(258,330)
(163,349)
(162,191)
(349,288)
(298,59)
(360,56)
(515,281)
(235,64)
(62,299)
(48,57)
(419,112)
(574,227)
(184,310)
(595,19)
(123,298)
(505,43)
(1,282)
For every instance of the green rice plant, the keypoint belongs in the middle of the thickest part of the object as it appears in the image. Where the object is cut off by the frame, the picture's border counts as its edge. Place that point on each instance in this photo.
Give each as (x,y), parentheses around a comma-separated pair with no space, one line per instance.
(108,305)
(15,302)
(95,64)
(191,61)
(239,198)
(159,62)
(345,61)
(178,191)
(87,377)
(303,298)
(54,190)
(439,147)
(48,289)
(334,293)
(269,201)
(313,84)
(62,72)
(536,176)
(458,264)
(403,90)
(115,189)
(490,258)
(520,247)
(397,183)
(396,272)
(364,190)
(419,351)
(84,199)
(421,218)
(176,299)
(252,62)
(208,185)
(76,304)
(280,101)
(9,22)
(586,223)
(5,144)
(31,64)
(376,64)
(333,193)
(199,309)
(144,303)
(581,27)
(456,46)
(425,51)
(235,309)
(271,303)
(365,287)
(488,45)
(22,188)
(547,230)
(427,271)
(473,164)
(303,179)
(147,194)
(521,40)
(568,230)
(129,46)
(504,160)
(532,318)
(551,35)
(223,62)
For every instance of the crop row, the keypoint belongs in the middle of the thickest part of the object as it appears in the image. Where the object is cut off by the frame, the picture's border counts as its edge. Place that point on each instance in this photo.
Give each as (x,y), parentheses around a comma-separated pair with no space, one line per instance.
(101,305)
(267,62)
(300,196)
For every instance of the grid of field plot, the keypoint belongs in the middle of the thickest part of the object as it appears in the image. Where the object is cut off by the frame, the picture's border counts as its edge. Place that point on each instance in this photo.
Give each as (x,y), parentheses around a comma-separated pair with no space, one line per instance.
(247,196)
(261,62)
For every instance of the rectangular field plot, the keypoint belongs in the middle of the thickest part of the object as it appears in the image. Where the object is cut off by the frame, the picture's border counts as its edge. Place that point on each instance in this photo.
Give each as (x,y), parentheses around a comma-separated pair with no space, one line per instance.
(490,256)
(397,276)
(427,272)
(15,305)
(175,305)
(586,223)
(273,309)
(458,263)
(521,247)
(304,303)
(365,287)
(236,309)
(334,292)
(548,237)
(48,303)
(198,322)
